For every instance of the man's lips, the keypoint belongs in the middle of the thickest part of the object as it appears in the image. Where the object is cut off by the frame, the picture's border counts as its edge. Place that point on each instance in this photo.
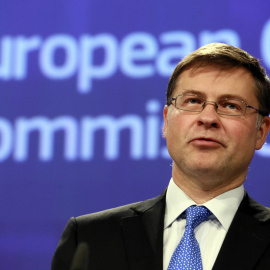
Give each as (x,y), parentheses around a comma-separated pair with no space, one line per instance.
(206,141)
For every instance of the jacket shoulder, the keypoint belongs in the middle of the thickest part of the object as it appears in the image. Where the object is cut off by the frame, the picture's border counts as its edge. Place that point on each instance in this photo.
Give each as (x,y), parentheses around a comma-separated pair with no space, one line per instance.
(117,213)
(259,211)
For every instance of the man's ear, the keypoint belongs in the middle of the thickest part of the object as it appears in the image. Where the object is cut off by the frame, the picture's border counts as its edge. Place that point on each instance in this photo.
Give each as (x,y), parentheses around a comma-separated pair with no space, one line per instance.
(262,132)
(165,116)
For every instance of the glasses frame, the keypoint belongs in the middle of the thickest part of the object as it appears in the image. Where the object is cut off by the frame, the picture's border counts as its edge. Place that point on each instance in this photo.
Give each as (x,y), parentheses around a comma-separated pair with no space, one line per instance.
(216,106)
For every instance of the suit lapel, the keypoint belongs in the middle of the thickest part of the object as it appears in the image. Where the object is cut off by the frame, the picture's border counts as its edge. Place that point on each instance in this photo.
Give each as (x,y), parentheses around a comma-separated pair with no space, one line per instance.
(143,234)
(247,238)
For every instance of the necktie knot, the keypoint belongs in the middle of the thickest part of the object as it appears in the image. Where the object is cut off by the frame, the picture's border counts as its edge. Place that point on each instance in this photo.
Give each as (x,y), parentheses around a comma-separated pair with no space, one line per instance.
(196,215)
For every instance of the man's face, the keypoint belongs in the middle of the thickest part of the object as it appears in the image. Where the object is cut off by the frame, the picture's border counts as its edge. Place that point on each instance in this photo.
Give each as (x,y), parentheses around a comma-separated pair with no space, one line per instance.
(208,145)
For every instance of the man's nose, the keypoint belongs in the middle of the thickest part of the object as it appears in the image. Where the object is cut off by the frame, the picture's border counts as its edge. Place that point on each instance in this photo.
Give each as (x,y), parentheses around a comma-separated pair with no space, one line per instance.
(211,103)
(209,116)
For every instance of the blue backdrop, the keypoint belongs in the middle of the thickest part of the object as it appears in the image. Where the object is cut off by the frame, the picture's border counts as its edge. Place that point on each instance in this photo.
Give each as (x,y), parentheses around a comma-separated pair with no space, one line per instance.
(82,91)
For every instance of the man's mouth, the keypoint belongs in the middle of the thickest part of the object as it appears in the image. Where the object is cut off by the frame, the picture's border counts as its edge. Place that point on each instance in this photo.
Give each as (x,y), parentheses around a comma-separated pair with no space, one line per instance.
(206,141)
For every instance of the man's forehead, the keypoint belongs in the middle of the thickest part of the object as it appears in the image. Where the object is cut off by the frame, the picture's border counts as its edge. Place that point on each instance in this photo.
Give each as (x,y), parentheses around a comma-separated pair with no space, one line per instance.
(235,74)
(220,70)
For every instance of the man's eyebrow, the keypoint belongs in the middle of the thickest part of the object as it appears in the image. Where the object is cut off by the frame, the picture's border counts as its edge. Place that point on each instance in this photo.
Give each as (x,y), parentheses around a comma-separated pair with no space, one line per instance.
(192,91)
(203,94)
(231,96)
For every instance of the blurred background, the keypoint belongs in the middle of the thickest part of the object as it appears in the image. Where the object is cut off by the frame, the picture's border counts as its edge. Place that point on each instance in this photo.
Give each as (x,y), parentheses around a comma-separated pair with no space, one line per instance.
(82,88)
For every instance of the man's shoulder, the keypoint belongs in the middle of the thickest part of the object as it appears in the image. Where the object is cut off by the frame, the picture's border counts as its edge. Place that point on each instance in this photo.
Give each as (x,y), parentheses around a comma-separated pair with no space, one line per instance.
(258,210)
(118,213)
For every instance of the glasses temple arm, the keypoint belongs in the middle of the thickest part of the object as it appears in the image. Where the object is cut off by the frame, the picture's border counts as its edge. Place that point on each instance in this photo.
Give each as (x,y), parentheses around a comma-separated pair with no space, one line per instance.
(259,111)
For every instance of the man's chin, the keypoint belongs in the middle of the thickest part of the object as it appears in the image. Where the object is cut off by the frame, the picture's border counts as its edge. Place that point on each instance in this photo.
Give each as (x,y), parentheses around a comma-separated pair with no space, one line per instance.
(207,168)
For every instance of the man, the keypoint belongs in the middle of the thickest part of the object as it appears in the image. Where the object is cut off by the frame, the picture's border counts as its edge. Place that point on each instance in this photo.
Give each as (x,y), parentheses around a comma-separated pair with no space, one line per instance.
(218,102)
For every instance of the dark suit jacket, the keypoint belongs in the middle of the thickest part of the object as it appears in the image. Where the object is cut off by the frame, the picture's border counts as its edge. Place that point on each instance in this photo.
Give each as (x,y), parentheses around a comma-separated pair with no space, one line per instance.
(131,238)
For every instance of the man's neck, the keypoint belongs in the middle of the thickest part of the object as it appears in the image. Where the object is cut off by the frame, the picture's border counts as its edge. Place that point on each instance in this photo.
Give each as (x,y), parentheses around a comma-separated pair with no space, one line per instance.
(203,189)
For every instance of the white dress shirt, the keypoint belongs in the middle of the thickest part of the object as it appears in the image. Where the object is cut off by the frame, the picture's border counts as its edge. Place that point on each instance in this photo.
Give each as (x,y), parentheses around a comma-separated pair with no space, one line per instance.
(210,233)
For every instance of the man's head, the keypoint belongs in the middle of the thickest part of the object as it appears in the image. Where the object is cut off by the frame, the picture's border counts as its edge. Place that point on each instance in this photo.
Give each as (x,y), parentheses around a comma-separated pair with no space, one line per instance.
(212,146)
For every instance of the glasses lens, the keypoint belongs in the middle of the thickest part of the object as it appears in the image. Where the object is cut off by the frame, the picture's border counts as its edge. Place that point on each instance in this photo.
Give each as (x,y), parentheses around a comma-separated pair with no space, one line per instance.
(231,107)
(191,103)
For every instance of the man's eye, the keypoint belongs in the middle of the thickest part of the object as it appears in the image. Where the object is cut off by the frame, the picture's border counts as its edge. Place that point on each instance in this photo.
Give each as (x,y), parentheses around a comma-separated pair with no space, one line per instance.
(231,106)
(194,101)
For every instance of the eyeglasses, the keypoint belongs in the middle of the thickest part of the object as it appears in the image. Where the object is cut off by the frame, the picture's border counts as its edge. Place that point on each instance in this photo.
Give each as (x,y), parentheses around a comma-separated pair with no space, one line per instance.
(223,106)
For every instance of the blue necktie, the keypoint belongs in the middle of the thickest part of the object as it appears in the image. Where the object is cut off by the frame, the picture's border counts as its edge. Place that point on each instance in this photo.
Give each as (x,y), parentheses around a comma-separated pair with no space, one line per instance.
(187,255)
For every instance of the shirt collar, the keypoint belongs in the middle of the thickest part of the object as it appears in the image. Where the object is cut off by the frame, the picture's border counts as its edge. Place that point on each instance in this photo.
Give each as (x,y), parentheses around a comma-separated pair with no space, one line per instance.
(223,206)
